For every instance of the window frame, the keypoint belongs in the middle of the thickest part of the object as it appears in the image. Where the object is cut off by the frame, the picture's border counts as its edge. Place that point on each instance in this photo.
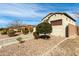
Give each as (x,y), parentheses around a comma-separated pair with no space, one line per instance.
(56,22)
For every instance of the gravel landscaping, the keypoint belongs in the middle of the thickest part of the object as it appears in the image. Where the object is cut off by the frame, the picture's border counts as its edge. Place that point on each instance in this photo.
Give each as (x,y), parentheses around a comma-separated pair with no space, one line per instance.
(70,47)
(2,37)
(30,47)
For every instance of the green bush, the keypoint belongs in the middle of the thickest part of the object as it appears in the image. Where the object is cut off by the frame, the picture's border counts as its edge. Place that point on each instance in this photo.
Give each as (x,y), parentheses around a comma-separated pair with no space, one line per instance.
(11,33)
(36,35)
(25,31)
(44,28)
(3,32)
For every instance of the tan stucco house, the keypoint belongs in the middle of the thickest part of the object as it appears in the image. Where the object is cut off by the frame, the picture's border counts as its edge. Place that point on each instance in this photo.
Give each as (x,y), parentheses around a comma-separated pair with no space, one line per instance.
(62,24)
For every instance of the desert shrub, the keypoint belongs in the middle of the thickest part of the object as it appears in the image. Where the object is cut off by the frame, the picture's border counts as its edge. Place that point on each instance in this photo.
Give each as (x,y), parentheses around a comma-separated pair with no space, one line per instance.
(44,28)
(11,33)
(3,32)
(19,30)
(25,31)
(36,35)
(20,40)
(31,29)
(1,29)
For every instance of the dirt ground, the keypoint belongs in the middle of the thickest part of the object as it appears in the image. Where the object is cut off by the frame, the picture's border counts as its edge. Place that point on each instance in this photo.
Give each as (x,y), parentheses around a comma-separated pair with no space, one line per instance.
(3,36)
(30,47)
(69,47)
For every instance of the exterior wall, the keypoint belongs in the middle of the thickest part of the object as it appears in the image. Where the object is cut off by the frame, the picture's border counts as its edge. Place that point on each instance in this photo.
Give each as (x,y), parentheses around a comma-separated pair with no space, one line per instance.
(67,21)
(60,30)
(72,30)
(77,30)
(64,18)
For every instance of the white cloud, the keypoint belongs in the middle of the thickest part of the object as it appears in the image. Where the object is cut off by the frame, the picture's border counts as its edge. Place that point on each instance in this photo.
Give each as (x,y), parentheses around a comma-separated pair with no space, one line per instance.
(32,11)
(21,10)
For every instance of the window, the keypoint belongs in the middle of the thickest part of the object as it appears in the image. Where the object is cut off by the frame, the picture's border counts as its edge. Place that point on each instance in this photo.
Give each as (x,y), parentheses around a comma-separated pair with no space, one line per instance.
(56,22)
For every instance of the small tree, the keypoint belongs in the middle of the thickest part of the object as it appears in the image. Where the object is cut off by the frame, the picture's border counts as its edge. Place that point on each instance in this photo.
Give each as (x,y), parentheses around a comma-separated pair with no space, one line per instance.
(19,30)
(44,28)
(31,29)
(11,33)
(3,32)
(15,23)
(25,31)
(1,29)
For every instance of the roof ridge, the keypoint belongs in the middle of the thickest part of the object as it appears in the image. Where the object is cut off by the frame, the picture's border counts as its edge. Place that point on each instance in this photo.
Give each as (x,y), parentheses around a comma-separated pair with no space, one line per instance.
(52,13)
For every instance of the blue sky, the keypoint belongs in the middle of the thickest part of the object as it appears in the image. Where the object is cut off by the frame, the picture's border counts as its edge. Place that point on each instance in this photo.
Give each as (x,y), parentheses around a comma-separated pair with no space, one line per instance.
(33,13)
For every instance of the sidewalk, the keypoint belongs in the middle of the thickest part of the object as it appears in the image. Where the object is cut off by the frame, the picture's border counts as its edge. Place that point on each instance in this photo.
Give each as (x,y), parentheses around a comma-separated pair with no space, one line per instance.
(12,40)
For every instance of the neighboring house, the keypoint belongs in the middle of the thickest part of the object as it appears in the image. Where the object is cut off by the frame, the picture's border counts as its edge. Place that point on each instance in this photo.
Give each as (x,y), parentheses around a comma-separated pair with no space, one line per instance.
(23,26)
(62,24)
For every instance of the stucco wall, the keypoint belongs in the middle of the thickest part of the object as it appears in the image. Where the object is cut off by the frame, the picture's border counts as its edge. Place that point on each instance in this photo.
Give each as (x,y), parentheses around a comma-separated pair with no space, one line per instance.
(72,30)
(60,30)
